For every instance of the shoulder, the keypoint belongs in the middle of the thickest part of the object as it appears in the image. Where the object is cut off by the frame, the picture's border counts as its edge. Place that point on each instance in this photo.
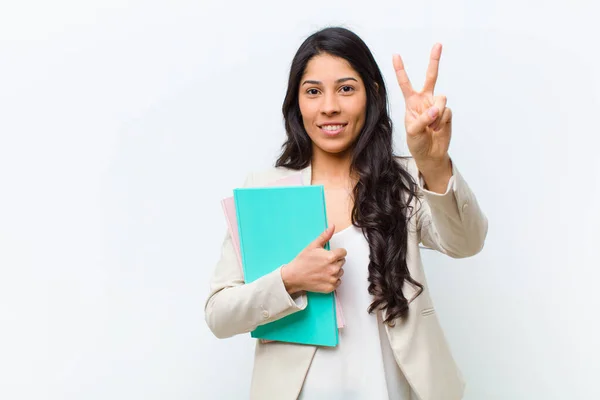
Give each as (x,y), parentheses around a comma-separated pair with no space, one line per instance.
(265,176)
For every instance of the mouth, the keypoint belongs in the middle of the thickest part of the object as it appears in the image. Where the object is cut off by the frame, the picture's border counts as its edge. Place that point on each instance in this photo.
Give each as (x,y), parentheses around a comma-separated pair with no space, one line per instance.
(332,130)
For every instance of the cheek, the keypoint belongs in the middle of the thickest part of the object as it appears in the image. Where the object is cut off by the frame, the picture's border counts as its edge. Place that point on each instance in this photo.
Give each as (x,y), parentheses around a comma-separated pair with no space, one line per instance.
(359,111)
(306,112)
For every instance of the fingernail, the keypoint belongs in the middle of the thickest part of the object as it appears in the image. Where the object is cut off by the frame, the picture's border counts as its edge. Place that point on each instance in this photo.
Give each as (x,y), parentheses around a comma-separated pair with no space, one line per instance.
(433,112)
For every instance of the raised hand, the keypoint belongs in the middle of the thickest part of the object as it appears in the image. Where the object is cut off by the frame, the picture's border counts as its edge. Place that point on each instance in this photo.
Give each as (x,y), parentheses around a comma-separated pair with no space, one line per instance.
(315,269)
(428,121)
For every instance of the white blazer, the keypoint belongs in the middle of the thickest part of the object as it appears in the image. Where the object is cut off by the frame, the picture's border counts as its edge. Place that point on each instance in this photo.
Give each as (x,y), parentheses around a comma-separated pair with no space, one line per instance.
(451,223)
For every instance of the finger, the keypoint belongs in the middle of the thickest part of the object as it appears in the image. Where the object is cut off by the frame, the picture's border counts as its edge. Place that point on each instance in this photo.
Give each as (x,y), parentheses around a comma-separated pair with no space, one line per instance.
(340,273)
(334,282)
(427,117)
(446,117)
(338,267)
(339,253)
(402,77)
(323,238)
(439,102)
(432,69)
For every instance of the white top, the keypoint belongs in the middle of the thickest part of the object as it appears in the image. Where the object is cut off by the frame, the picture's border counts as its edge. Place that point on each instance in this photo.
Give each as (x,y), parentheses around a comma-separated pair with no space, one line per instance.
(362,365)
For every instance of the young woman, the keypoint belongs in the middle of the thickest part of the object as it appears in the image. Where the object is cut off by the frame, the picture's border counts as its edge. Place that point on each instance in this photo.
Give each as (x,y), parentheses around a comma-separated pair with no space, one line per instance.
(380,208)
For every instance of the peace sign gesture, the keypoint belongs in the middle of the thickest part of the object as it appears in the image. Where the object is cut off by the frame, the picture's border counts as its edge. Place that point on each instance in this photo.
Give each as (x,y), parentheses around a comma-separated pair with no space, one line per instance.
(428,122)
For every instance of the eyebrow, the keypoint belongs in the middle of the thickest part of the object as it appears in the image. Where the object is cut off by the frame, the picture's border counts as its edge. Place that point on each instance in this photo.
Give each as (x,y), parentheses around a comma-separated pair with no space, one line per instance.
(341,80)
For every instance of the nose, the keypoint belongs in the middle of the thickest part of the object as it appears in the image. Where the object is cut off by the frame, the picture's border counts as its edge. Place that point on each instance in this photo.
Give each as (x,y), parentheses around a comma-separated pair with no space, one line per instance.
(330,105)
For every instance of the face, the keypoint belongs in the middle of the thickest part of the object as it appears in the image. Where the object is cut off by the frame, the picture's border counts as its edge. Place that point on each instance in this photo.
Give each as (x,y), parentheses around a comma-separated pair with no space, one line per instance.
(333,103)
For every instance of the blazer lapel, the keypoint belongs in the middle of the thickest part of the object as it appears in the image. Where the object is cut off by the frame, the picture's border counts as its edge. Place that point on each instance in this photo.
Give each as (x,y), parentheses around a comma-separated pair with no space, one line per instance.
(306,175)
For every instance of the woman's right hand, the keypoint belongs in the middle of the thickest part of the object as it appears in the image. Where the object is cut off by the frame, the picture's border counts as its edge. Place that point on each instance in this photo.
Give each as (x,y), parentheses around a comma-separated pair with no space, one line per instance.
(315,269)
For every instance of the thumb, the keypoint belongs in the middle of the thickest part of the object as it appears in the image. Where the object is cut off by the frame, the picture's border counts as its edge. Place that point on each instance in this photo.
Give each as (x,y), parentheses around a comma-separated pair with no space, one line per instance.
(424,119)
(323,238)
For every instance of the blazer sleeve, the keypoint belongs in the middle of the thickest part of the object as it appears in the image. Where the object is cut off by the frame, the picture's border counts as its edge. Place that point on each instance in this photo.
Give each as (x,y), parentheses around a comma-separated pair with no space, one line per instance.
(234,307)
(452,222)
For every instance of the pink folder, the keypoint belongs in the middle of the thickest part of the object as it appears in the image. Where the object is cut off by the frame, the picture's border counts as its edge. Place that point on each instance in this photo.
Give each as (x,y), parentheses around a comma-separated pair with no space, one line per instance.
(228,205)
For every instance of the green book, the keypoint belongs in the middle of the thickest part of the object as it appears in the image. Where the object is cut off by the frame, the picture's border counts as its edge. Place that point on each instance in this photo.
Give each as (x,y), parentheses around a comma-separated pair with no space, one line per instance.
(274,225)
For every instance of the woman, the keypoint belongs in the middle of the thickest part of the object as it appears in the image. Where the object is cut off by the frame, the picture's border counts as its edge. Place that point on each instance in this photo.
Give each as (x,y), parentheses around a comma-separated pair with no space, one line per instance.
(380,207)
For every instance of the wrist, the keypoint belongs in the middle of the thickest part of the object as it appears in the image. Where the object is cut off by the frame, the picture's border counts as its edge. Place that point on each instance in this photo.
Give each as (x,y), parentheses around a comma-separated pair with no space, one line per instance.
(436,174)
(432,167)
(289,280)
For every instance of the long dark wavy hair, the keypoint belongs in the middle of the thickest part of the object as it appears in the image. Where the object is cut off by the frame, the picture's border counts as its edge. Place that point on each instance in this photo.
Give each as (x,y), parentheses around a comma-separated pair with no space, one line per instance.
(385,189)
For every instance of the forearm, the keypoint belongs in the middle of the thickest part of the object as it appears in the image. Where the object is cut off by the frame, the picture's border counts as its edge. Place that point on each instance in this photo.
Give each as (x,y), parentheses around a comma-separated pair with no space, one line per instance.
(240,308)
(451,220)
(436,175)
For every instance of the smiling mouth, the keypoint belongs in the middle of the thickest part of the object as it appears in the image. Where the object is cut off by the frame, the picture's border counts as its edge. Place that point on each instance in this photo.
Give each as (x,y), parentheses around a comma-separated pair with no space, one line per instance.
(332,129)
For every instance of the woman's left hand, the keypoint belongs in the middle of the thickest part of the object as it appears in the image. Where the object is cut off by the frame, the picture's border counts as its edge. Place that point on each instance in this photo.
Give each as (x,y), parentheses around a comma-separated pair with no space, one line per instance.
(428,121)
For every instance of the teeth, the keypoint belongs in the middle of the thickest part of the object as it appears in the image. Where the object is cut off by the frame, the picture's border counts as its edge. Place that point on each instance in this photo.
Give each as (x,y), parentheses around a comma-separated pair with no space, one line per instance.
(332,127)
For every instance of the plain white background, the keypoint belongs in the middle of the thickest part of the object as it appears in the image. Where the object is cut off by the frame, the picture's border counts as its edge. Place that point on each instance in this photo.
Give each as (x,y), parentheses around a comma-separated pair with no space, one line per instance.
(123,124)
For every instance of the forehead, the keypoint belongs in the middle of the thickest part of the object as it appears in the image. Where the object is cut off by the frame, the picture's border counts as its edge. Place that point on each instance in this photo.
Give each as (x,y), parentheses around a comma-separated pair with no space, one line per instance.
(328,68)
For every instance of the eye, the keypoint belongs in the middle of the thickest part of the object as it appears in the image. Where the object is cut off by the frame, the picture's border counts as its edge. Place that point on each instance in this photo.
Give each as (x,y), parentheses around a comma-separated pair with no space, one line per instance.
(312,92)
(347,89)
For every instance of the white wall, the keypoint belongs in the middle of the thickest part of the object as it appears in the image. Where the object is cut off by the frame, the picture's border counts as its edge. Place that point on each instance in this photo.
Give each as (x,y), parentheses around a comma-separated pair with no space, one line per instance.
(122,125)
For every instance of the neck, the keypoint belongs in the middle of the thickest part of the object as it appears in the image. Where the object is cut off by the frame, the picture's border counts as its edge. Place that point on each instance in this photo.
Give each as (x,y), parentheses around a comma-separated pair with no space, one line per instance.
(331,170)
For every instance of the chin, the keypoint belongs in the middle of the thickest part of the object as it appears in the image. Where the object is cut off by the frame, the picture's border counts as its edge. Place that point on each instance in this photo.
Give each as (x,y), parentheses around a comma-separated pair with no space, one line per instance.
(331,148)
(333,145)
